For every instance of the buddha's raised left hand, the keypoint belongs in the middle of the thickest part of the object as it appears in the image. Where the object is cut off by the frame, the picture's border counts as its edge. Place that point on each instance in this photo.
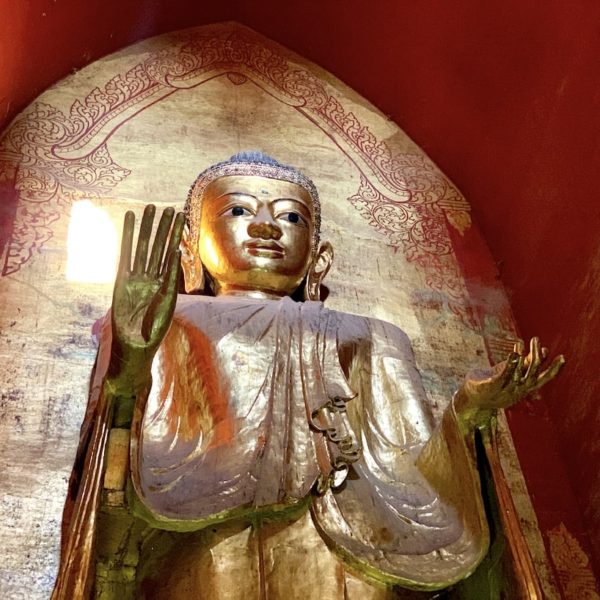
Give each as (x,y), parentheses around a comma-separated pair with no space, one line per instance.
(507,382)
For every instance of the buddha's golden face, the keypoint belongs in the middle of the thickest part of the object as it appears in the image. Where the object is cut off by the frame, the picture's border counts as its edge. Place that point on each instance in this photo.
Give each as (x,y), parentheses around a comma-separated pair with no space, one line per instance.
(255,234)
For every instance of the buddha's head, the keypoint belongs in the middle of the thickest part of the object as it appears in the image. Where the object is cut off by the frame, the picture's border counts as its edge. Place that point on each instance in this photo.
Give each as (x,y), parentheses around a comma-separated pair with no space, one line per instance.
(253,228)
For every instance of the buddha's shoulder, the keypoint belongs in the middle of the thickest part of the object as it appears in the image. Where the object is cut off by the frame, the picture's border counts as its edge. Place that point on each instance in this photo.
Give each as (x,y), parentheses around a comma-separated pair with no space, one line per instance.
(368,328)
(373,328)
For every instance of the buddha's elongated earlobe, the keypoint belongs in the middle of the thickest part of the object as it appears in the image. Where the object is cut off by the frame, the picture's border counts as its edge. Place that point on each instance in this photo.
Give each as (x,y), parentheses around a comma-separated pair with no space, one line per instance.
(318,270)
(193,272)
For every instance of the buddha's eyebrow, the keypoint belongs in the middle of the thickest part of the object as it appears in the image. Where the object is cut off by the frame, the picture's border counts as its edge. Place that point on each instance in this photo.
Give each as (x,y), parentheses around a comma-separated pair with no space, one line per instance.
(296,200)
(225,194)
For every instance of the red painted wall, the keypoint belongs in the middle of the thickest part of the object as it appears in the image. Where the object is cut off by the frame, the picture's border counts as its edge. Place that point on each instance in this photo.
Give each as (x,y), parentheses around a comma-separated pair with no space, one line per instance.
(503,95)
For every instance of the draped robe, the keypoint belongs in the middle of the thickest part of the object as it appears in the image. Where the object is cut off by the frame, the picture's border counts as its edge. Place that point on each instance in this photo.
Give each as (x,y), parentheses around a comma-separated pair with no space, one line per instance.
(259,408)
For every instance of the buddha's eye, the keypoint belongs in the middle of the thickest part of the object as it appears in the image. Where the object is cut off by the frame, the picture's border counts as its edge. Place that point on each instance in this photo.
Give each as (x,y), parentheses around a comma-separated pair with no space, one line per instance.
(238,211)
(293,217)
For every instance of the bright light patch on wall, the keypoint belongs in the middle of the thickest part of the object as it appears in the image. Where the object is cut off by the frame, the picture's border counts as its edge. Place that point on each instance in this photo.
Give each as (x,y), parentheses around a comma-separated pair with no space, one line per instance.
(92,245)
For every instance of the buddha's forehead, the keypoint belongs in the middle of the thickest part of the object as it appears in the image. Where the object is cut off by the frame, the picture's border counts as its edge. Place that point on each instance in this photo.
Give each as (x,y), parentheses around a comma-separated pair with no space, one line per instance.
(261,188)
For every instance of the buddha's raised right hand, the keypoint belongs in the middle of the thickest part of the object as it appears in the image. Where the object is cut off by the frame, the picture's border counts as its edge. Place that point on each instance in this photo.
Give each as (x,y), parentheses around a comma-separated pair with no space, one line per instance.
(144,298)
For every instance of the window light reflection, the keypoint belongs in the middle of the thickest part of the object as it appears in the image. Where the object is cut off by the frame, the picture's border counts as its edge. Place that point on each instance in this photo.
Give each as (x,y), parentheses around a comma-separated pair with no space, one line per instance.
(92,245)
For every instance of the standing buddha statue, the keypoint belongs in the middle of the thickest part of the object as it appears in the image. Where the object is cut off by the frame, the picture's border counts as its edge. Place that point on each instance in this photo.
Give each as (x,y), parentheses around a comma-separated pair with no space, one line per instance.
(244,441)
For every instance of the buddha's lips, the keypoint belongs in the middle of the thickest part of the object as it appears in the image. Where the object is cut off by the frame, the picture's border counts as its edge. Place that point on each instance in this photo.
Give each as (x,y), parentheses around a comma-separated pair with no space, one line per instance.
(268,248)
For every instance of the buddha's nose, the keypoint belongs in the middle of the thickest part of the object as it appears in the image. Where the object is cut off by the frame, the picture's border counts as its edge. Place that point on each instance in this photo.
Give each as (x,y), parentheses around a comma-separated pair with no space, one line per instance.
(264,227)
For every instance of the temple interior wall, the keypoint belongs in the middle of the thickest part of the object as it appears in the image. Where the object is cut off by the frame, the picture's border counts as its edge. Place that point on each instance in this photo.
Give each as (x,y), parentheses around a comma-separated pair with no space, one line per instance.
(503,96)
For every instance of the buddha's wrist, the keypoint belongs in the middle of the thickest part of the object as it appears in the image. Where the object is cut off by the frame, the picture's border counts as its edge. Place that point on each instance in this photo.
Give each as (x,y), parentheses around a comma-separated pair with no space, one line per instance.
(124,388)
(469,412)
(128,375)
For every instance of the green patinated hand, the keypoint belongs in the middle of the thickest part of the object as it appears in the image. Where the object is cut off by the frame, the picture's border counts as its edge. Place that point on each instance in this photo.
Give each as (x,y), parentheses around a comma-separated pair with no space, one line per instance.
(144,298)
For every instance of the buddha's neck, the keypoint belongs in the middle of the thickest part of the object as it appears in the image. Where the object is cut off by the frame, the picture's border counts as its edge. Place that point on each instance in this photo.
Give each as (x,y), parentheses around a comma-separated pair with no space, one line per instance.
(233,290)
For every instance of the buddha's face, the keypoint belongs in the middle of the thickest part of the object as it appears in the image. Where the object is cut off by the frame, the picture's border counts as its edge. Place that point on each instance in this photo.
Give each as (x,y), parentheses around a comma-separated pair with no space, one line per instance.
(255,234)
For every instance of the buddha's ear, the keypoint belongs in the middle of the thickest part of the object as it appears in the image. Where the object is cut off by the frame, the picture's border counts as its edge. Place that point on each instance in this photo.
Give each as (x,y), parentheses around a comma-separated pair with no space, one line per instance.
(193,272)
(318,270)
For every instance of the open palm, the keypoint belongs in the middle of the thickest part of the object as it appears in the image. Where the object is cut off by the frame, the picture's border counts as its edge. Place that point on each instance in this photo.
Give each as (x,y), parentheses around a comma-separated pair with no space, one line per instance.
(509,381)
(145,293)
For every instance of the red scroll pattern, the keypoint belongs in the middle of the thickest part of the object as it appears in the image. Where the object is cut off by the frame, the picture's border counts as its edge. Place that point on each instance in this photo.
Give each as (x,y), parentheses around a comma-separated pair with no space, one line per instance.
(47,182)
(420,231)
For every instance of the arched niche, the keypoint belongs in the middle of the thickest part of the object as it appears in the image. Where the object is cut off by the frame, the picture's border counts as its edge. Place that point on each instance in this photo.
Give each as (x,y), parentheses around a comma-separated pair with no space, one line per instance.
(136,127)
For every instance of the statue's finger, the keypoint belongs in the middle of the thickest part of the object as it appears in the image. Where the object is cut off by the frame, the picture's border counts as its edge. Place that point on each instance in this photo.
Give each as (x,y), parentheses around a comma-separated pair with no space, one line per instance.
(519,347)
(551,372)
(175,239)
(519,370)
(169,285)
(126,243)
(163,308)
(544,353)
(509,369)
(141,251)
(160,241)
(534,358)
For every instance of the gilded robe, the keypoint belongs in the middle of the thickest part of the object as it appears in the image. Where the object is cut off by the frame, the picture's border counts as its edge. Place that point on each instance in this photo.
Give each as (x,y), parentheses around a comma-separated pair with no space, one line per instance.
(281,412)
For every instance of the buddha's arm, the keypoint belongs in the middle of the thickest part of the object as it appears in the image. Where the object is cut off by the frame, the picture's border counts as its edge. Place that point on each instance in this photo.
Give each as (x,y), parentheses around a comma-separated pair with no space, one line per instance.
(449,455)
(144,300)
(142,309)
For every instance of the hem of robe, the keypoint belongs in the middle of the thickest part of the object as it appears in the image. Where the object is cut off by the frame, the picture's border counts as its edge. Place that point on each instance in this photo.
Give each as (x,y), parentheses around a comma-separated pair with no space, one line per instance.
(250,514)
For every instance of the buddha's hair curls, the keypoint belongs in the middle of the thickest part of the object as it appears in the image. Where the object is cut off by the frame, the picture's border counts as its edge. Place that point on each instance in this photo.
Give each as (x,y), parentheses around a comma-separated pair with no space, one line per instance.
(248,163)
